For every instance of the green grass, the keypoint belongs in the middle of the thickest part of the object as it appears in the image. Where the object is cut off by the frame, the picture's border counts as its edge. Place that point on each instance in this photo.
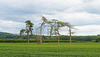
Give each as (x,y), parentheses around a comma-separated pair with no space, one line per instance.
(52,50)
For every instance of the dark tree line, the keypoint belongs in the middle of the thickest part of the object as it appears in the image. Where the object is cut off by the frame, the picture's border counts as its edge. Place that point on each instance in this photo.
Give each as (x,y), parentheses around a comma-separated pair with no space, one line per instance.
(62,37)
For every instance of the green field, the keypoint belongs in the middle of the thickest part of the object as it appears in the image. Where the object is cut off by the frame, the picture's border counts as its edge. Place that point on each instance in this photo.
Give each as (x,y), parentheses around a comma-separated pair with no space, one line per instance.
(52,50)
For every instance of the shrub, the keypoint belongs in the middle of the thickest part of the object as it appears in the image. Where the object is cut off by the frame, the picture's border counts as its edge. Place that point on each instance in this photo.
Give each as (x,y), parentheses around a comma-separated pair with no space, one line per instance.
(98,39)
(93,40)
(16,40)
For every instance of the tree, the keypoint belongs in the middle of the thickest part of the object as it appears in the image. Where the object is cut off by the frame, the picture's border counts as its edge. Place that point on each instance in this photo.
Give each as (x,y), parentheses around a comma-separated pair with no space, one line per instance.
(37,36)
(98,39)
(28,29)
(51,25)
(21,33)
(44,20)
(69,26)
(70,32)
(58,25)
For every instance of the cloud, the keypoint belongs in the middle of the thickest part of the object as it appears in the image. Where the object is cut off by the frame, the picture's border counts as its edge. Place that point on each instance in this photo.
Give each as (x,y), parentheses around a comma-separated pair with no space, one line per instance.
(93,7)
(77,18)
(88,30)
(10,26)
(82,30)
(35,7)
(77,12)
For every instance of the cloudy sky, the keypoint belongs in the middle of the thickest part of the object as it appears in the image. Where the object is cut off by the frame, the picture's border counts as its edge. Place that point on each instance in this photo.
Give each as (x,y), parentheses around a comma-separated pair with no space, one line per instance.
(82,14)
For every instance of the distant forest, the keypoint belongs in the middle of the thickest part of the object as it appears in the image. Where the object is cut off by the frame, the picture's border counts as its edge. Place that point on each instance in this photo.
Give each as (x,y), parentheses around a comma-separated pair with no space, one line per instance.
(4,35)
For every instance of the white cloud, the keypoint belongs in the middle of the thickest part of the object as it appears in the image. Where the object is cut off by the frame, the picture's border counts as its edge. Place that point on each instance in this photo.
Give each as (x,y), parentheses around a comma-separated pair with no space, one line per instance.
(10,26)
(83,30)
(13,13)
(77,18)
(88,30)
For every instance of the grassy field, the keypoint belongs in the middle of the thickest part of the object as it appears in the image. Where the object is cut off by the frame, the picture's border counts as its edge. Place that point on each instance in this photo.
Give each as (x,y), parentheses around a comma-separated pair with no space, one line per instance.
(52,50)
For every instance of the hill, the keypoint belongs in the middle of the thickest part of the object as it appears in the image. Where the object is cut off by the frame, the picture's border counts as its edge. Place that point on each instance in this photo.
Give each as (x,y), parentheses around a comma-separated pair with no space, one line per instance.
(5,35)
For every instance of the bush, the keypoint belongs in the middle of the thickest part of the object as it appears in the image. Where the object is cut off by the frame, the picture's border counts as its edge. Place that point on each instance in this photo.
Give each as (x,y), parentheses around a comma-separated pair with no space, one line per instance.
(34,40)
(16,40)
(98,39)
(93,40)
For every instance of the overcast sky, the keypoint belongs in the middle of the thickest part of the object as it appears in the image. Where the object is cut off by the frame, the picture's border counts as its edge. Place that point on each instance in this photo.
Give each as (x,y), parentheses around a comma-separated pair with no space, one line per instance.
(82,14)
